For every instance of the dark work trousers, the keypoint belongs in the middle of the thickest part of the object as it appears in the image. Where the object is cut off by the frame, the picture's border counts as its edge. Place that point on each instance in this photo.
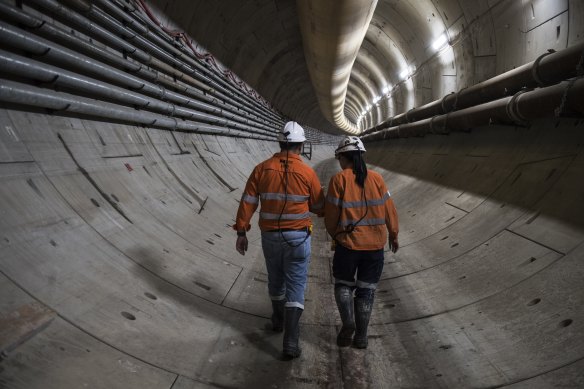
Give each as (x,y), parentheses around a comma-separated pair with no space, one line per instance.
(366,265)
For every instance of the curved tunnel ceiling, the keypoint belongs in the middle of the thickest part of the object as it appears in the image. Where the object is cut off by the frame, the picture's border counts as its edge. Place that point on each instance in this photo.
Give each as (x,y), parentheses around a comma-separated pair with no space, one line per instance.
(120,176)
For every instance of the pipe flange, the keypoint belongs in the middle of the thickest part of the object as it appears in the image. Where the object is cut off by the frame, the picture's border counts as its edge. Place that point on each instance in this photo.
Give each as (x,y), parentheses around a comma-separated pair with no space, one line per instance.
(560,110)
(511,109)
(407,115)
(535,66)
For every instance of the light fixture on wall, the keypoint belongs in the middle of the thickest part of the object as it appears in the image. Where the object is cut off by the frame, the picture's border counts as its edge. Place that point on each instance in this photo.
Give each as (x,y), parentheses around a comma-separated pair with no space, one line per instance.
(407,72)
(440,42)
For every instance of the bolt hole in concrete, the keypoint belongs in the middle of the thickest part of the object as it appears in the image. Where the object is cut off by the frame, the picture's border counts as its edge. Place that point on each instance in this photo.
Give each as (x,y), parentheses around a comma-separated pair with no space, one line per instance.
(389,306)
(454,245)
(128,315)
(94,201)
(533,302)
(150,296)
(446,237)
(532,259)
(565,323)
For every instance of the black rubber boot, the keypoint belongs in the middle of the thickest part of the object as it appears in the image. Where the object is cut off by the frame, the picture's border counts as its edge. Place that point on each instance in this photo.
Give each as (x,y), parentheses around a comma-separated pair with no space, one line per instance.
(362,314)
(292,333)
(278,315)
(344,299)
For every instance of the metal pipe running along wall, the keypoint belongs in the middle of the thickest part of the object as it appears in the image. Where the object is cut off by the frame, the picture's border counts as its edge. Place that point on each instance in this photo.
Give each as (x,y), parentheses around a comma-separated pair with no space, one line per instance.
(236,118)
(561,99)
(106,28)
(57,102)
(120,71)
(548,69)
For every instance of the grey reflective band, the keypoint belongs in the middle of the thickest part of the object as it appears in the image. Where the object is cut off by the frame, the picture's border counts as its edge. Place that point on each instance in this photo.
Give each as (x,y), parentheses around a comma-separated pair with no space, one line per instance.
(355,204)
(333,200)
(283,197)
(249,199)
(366,285)
(366,222)
(285,216)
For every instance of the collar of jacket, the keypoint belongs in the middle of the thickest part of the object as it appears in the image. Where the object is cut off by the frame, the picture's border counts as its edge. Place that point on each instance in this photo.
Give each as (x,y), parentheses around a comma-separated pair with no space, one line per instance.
(282,154)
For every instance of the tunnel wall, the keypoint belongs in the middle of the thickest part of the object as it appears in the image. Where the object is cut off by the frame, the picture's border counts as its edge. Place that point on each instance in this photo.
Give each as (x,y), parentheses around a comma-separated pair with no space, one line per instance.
(116,242)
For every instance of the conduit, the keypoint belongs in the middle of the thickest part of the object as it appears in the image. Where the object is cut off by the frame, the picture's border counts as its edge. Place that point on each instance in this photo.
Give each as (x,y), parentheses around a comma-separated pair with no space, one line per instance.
(196,94)
(30,69)
(549,68)
(55,66)
(22,94)
(332,33)
(560,99)
(109,30)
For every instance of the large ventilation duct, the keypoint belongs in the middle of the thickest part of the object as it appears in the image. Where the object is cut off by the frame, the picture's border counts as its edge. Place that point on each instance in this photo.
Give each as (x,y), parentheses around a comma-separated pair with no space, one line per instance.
(332,33)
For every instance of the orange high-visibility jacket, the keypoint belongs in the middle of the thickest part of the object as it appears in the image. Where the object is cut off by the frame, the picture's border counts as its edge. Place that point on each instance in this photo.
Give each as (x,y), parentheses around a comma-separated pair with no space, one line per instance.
(345,205)
(303,193)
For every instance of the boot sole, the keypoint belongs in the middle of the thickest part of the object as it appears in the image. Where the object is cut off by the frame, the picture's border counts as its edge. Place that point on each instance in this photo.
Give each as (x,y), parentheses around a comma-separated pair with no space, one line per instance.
(289,355)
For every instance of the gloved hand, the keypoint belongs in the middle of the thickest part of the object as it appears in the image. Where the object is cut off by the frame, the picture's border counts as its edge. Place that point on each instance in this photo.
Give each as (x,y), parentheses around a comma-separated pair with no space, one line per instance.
(393,245)
(241,244)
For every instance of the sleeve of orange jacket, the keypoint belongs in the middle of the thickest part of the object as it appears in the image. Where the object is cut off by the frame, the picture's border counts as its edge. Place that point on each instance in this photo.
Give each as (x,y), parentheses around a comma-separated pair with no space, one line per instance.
(391,219)
(249,201)
(316,201)
(332,209)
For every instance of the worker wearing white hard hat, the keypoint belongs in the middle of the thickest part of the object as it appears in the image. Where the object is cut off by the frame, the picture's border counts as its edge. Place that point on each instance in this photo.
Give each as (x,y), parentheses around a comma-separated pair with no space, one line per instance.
(288,190)
(359,213)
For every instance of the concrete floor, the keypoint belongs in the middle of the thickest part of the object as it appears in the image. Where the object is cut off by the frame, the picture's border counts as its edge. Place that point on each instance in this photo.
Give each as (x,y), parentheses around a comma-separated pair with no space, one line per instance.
(116,249)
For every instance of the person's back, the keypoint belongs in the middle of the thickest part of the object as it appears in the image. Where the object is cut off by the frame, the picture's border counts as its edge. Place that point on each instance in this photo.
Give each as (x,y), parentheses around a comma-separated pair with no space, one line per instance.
(369,205)
(287,189)
(359,212)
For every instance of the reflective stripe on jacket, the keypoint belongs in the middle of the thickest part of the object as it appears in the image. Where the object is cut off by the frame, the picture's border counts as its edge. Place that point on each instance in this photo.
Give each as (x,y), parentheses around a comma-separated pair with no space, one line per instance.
(346,204)
(290,203)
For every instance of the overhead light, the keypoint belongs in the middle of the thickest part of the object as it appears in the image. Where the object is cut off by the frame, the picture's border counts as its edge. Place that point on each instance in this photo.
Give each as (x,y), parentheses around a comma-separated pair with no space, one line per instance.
(376,99)
(407,72)
(440,43)
(387,89)
(368,107)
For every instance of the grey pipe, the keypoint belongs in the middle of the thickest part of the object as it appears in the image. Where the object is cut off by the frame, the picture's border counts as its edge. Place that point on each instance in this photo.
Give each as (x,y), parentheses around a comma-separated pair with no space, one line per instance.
(549,68)
(99,32)
(22,94)
(139,25)
(516,110)
(56,34)
(110,35)
(62,56)
(24,67)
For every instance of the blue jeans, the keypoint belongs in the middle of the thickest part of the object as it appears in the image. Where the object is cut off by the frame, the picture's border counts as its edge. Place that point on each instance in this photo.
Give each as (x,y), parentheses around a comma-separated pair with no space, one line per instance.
(287,266)
(368,264)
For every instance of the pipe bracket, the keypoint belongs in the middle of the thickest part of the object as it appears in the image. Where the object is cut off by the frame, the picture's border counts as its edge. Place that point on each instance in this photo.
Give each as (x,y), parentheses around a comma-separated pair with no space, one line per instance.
(560,110)
(512,111)
(534,68)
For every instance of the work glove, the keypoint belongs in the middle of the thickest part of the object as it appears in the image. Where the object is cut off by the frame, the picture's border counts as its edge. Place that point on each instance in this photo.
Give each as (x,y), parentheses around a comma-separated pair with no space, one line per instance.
(241,244)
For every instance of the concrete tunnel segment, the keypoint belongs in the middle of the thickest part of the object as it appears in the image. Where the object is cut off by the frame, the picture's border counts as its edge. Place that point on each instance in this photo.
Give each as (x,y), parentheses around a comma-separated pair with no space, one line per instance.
(122,250)
(117,260)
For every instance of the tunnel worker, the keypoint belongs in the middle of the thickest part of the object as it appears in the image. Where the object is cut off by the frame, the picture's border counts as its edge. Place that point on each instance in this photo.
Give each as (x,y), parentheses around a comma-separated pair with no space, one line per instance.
(288,189)
(358,210)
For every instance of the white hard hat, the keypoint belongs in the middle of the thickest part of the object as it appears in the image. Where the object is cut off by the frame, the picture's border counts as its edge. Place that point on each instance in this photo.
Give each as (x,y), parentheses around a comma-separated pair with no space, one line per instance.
(350,143)
(292,132)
